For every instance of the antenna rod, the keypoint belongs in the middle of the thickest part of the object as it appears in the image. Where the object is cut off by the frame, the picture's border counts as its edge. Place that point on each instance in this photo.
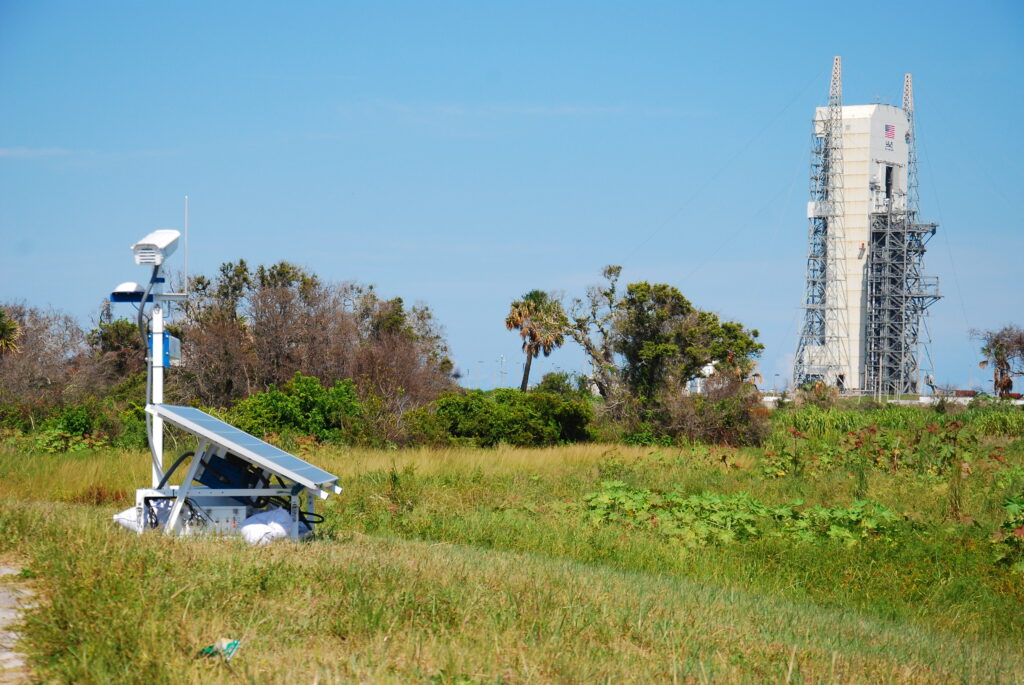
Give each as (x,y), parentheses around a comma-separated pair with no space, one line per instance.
(186,254)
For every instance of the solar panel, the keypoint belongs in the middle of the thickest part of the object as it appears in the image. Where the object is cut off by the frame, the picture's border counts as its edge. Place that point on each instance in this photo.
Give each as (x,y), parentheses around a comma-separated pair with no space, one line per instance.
(246,446)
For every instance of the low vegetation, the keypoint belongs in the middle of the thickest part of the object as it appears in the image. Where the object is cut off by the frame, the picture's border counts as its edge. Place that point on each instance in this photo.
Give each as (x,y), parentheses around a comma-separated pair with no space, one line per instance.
(567,563)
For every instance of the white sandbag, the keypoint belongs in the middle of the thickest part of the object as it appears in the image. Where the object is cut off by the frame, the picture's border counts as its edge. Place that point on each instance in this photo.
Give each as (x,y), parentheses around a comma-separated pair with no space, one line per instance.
(130,520)
(265,527)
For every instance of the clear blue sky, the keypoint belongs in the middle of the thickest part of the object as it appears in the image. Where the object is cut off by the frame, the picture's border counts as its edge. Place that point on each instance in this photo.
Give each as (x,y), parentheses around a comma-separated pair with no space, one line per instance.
(461,154)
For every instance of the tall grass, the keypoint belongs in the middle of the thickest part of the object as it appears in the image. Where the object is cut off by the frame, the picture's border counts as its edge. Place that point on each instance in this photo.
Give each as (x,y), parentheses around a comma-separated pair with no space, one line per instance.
(123,609)
(473,565)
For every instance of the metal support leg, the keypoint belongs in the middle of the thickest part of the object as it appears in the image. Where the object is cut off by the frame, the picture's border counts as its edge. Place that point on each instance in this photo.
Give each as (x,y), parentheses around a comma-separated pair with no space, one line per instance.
(140,510)
(294,499)
(182,493)
(310,508)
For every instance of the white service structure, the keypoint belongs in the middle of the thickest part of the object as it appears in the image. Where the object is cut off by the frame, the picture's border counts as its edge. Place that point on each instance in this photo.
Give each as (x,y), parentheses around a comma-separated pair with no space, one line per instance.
(875,156)
(865,294)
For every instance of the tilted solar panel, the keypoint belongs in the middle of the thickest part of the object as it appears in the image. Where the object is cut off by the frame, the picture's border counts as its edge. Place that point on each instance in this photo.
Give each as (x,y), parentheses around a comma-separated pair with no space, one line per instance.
(246,446)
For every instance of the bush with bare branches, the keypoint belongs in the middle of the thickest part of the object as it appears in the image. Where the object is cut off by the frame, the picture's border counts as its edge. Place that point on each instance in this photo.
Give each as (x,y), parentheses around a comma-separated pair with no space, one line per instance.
(251,330)
(729,412)
(41,374)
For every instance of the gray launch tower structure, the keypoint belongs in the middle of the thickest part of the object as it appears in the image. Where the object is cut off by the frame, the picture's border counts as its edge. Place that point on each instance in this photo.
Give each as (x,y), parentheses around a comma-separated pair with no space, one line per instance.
(865,296)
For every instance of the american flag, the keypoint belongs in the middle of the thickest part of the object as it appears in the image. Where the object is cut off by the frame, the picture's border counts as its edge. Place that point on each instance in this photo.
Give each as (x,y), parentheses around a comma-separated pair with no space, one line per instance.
(890,131)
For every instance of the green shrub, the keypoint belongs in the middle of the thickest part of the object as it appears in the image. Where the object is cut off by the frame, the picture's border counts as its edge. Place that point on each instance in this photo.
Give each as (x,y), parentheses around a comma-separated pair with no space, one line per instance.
(645,436)
(302,405)
(509,416)
(571,417)
(424,427)
(999,420)
(72,430)
(564,384)
(131,431)
(713,518)
(862,520)
(76,420)
(1008,542)
(60,441)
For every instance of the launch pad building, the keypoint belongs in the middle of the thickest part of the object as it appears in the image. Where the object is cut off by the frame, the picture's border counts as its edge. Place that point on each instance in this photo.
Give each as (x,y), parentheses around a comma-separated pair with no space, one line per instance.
(865,294)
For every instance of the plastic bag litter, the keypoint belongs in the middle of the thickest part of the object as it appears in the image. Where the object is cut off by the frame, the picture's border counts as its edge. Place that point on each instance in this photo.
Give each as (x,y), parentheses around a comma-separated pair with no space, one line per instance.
(225,648)
(265,527)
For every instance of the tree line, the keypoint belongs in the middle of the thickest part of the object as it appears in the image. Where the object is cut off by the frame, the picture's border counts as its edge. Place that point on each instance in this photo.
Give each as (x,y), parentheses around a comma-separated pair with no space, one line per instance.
(249,332)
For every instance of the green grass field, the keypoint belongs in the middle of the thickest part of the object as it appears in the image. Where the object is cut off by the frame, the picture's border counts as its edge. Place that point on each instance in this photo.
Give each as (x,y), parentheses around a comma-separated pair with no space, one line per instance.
(494,566)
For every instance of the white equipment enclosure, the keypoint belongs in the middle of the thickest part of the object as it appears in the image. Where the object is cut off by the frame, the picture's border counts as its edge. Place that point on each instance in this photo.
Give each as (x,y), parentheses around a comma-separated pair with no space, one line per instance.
(232,475)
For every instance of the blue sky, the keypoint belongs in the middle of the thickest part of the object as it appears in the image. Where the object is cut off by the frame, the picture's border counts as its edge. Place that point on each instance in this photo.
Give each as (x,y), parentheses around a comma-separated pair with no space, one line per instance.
(463,153)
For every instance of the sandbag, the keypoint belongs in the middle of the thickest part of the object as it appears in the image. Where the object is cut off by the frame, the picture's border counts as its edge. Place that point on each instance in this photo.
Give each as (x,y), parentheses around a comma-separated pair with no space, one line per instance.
(265,527)
(161,508)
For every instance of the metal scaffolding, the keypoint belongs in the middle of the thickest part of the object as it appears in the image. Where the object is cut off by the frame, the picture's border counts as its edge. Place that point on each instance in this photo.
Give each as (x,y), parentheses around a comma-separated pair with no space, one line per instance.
(824,339)
(871,343)
(897,294)
(897,297)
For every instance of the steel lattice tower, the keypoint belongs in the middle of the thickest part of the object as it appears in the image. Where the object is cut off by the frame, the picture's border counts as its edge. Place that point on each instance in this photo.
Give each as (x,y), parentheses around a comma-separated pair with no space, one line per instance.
(897,293)
(863,311)
(821,353)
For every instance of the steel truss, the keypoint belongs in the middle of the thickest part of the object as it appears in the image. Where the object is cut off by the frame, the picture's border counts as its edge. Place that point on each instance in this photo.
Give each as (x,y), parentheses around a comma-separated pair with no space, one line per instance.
(897,297)
(824,339)
(897,293)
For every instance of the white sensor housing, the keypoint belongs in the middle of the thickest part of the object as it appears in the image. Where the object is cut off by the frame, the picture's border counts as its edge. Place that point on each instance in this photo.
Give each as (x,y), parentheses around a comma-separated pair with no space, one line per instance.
(128,287)
(156,247)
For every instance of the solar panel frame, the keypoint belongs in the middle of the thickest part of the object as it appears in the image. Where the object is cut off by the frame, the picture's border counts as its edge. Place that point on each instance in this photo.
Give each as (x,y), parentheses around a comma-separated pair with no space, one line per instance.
(244,445)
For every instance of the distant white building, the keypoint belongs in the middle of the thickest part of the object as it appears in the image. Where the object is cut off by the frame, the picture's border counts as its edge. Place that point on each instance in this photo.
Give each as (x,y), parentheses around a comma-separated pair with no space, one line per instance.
(698,385)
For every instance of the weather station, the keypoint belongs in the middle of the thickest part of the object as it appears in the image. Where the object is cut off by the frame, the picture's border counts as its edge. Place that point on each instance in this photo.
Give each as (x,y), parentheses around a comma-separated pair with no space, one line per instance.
(234,483)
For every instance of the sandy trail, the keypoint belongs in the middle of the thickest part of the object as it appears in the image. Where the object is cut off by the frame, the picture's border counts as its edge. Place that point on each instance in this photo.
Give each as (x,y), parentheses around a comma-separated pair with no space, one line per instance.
(13,599)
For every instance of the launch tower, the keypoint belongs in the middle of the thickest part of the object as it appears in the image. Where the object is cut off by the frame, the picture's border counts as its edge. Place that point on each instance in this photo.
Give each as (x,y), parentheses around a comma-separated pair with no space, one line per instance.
(865,292)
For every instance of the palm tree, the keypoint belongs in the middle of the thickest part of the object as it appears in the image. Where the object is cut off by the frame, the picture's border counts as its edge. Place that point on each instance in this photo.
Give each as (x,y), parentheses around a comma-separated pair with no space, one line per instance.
(9,331)
(541,323)
(1004,352)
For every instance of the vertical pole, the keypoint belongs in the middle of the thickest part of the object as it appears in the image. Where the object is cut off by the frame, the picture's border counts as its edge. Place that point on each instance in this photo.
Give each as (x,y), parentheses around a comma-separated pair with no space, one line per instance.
(156,360)
(185,305)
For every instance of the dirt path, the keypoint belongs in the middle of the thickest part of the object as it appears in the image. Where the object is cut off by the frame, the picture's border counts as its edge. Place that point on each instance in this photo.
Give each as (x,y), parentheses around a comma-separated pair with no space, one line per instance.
(13,598)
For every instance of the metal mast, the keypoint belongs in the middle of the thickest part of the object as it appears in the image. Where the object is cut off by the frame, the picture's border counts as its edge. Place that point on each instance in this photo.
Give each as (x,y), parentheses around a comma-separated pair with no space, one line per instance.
(897,293)
(908,109)
(822,351)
